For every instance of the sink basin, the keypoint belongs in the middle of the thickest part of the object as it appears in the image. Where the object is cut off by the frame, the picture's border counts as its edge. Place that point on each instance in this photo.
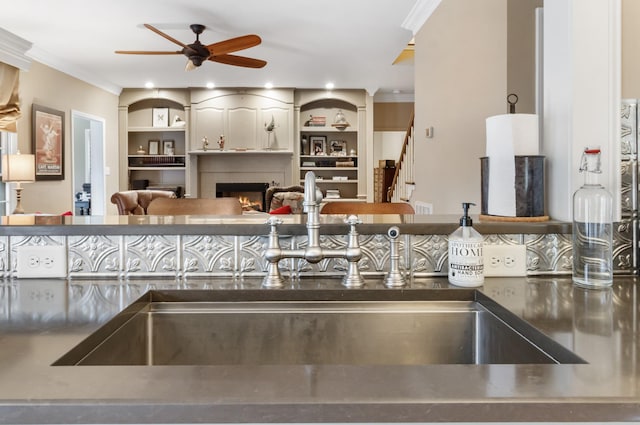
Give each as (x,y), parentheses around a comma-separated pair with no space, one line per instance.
(287,327)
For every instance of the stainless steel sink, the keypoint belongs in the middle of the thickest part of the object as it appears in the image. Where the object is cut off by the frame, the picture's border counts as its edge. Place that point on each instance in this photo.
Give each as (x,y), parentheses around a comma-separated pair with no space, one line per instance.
(355,327)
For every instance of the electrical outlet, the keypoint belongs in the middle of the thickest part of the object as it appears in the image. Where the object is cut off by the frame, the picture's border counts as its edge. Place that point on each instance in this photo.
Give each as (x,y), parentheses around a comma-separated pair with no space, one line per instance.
(41,261)
(505,260)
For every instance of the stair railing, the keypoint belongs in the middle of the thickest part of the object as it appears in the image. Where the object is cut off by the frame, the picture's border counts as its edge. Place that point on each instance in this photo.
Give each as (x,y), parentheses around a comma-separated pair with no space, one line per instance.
(403,179)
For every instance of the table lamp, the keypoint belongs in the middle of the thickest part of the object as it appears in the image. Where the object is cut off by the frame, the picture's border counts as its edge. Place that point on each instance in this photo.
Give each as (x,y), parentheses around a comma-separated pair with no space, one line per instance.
(18,168)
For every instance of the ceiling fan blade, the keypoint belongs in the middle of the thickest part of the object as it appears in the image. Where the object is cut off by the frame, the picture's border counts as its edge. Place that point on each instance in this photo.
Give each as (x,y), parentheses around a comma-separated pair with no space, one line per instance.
(144,52)
(238,61)
(168,37)
(234,44)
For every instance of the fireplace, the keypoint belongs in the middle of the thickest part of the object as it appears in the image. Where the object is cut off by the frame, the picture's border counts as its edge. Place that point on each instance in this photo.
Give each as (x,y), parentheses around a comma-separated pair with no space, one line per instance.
(251,195)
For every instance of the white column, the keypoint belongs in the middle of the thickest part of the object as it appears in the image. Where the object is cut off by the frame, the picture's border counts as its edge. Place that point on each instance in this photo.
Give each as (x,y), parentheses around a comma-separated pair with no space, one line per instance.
(581,96)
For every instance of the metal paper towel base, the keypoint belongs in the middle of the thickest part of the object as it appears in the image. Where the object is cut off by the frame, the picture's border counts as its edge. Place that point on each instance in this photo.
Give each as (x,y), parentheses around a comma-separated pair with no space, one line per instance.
(529,185)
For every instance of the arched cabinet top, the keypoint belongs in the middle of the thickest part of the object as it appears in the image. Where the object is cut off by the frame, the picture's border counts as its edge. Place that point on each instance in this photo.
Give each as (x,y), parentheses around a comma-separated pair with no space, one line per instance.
(347,99)
(155,103)
(135,98)
(201,96)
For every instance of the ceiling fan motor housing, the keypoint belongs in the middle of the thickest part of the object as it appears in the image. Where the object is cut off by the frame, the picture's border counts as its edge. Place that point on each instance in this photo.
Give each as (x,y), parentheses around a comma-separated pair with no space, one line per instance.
(197,53)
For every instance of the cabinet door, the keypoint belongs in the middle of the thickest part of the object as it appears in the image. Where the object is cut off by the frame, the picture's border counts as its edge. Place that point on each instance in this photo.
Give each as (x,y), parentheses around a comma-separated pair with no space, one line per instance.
(242,128)
(208,122)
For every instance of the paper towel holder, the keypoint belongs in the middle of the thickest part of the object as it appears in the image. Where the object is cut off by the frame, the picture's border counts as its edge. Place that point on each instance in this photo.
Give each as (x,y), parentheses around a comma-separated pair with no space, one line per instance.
(512,99)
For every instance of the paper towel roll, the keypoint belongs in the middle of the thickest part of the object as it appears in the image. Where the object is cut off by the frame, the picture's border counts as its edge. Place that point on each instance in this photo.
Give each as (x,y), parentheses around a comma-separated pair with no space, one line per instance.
(507,136)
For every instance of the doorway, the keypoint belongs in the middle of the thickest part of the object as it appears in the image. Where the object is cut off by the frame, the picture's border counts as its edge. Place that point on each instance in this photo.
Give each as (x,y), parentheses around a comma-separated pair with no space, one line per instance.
(87,141)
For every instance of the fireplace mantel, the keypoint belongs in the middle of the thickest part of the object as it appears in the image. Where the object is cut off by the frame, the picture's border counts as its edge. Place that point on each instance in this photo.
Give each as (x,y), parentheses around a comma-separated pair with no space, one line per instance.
(206,168)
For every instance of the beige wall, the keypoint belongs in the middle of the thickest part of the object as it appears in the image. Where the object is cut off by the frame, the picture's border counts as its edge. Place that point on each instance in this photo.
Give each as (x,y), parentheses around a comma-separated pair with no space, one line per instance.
(630,49)
(461,79)
(392,116)
(47,87)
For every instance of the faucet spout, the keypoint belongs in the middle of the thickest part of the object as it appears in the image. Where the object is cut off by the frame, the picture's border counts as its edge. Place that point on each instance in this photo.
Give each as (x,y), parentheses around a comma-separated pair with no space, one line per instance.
(311,204)
(312,195)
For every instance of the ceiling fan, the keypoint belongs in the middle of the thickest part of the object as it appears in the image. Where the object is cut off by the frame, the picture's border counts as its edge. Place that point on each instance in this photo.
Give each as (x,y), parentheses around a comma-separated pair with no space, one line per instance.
(197,52)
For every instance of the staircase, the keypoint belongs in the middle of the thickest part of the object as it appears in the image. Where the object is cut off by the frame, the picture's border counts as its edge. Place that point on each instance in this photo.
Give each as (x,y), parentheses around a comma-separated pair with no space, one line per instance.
(403,180)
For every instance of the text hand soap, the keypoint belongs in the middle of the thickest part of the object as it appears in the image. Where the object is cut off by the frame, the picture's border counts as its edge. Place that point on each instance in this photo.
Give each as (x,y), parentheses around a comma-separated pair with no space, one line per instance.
(466,264)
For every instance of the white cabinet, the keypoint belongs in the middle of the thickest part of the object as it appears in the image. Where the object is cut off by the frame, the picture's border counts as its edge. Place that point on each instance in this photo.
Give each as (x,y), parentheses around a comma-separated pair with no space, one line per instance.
(249,119)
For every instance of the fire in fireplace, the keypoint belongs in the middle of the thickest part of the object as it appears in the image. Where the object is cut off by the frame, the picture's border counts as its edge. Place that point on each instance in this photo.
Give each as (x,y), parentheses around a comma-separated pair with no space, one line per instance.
(252,196)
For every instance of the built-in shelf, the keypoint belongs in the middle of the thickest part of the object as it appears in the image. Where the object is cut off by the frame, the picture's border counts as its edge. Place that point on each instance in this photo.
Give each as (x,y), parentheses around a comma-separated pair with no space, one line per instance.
(327,129)
(156,168)
(154,129)
(334,141)
(240,152)
(163,163)
(328,168)
(329,181)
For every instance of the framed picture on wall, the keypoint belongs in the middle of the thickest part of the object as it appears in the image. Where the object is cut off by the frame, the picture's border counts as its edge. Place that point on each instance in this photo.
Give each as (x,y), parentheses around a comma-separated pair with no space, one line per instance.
(168,147)
(338,148)
(47,139)
(318,145)
(154,147)
(160,117)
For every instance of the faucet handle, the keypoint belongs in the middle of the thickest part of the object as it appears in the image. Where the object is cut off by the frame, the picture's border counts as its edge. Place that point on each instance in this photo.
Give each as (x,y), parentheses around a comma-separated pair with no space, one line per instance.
(274,221)
(352,220)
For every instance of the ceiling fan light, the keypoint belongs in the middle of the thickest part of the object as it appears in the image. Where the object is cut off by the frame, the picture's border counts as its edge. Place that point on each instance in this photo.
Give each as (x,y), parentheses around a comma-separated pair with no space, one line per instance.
(190,66)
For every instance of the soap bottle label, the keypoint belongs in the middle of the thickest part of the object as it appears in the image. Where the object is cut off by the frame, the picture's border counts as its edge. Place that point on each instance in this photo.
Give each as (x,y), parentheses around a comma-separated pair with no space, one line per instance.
(466,265)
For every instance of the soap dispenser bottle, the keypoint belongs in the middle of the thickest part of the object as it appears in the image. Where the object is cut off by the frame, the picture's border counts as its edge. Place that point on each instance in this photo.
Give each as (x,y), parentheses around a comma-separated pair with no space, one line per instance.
(466,263)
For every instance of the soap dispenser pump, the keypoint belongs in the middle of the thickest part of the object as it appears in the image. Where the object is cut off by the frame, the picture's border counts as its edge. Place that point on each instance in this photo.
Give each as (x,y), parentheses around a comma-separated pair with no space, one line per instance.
(466,262)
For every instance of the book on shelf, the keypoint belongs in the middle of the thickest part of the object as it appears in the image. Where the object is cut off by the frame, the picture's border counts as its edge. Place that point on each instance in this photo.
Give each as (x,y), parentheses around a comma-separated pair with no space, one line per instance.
(333,194)
(316,121)
(345,164)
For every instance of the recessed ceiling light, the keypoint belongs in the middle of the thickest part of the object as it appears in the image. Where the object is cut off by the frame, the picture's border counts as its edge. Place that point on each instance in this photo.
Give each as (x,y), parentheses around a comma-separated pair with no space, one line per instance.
(268,86)
(149,85)
(396,91)
(329,86)
(210,85)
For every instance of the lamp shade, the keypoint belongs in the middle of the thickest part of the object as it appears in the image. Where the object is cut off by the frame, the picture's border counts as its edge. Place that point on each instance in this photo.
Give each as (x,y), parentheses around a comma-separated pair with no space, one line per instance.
(18,168)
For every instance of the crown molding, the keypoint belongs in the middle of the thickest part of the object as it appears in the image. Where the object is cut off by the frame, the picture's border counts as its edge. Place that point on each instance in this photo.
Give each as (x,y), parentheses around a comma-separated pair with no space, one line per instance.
(420,12)
(83,75)
(13,50)
(386,97)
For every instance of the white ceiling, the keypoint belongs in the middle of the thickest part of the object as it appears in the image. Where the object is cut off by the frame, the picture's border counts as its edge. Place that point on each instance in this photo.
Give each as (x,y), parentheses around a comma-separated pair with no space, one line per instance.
(351,43)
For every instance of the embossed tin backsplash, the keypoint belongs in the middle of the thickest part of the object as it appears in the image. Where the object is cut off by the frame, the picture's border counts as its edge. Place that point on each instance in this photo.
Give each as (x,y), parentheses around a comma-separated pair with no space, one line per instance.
(184,256)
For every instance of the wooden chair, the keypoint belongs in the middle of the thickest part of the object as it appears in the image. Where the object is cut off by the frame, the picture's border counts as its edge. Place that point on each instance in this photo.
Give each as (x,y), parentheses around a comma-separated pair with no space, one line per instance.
(195,206)
(136,202)
(348,207)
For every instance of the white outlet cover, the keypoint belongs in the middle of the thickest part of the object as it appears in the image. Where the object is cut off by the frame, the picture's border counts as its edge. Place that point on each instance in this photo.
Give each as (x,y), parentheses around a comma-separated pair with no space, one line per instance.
(495,264)
(51,261)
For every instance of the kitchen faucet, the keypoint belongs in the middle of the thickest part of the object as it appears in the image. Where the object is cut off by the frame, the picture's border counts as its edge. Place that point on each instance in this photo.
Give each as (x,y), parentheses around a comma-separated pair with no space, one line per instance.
(314,252)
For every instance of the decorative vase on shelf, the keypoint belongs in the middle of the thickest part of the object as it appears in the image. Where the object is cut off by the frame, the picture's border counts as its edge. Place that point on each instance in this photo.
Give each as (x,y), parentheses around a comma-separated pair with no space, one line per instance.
(269,129)
(340,121)
(141,150)
(305,146)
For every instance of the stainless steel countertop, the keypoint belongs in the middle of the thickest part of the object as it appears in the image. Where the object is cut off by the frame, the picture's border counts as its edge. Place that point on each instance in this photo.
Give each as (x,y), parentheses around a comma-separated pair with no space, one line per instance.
(41,320)
(255,224)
